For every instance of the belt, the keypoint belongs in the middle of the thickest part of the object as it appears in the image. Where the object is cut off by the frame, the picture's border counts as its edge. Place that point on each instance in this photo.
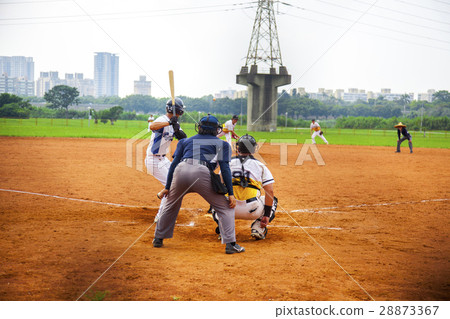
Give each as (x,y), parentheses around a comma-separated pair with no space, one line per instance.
(193,161)
(251,200)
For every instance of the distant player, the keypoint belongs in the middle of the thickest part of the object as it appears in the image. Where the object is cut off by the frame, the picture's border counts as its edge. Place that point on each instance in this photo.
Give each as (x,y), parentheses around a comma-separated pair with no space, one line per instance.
(315,130)
(250,177)
(150,120)
(228,129)
(401,130)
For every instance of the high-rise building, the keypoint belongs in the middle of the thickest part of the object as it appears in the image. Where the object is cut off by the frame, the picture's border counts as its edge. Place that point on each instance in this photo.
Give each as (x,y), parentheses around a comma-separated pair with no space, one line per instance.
(85,86)
(143,87)
(19,86)
(17,75)
(106,74)
(17,67)
(46,81)
(426,96)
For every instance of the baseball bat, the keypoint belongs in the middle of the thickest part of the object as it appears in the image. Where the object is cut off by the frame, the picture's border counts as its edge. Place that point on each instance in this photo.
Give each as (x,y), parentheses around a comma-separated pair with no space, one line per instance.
(172,90)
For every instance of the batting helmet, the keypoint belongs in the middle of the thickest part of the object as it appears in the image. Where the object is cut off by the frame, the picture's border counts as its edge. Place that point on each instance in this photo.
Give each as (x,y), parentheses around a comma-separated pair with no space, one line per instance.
(246,144)
(179,106)
(209,125)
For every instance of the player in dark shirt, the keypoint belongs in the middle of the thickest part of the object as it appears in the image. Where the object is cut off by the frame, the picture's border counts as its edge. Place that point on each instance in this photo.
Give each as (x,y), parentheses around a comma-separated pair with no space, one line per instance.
(403,135)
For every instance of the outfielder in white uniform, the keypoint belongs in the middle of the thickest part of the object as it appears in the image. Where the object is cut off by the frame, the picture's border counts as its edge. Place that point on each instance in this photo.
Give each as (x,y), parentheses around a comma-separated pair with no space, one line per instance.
(150,120)
(228,129)
(164,129)
(315,128)
(250,177)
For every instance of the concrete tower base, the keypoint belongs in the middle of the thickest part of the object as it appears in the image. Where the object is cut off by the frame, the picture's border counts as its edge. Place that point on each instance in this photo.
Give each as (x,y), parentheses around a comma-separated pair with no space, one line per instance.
(262,106)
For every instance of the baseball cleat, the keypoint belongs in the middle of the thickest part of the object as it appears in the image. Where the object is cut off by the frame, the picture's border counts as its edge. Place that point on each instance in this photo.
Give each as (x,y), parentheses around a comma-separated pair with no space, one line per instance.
(257,231)
(231,249)
(157,242)
(257,235)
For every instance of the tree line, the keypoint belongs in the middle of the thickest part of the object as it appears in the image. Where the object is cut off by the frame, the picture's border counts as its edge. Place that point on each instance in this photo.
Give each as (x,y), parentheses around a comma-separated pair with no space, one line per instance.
(299,108)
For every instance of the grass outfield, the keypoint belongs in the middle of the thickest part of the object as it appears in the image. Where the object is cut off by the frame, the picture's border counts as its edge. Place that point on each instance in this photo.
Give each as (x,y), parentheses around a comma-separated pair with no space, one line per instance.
(128,129)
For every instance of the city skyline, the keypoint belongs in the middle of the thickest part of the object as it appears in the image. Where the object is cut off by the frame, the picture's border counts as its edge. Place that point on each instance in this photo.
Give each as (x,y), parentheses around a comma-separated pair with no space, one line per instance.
(107,69)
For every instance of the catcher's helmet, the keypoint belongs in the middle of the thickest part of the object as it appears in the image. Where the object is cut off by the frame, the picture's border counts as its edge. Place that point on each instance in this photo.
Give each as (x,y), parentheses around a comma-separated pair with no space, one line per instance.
(246,144)
(209,125)
(179,106)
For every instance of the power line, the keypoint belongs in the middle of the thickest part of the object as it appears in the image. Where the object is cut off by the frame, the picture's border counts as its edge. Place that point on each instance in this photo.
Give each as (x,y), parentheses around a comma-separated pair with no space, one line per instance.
(420,6)
(369,24)
(383,17)
(27,2)
(369,33)
(404,13)
(134,12)
(122,18)
(447,3)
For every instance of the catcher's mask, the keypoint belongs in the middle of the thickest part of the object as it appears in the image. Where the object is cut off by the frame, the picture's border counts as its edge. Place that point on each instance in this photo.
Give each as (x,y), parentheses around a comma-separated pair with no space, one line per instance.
(247,144)
(208,125)
(179,106)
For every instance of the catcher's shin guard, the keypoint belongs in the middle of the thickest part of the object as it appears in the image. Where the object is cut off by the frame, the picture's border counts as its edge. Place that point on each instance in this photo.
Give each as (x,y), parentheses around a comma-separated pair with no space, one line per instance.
(257,231)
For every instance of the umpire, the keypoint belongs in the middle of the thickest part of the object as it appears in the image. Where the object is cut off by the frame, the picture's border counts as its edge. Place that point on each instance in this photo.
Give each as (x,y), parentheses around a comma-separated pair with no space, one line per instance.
(401,130)
(190,172)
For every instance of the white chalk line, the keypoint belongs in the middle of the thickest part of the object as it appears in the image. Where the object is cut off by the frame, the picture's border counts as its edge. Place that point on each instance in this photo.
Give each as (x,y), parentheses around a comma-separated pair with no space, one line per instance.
(310,227)
(333,209)
(323,210)
(192,224)
(87,200)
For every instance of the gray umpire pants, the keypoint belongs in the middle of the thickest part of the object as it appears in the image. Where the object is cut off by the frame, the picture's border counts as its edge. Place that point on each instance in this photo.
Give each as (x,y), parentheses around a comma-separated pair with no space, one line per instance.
(194,178)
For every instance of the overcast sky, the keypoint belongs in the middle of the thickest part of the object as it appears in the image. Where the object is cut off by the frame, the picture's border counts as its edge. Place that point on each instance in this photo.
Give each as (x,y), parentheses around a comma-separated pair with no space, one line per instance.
(399,44)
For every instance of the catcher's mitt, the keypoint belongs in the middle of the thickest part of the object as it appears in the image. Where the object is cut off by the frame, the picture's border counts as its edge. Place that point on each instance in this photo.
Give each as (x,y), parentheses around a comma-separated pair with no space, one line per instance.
(321,133)
(179,135)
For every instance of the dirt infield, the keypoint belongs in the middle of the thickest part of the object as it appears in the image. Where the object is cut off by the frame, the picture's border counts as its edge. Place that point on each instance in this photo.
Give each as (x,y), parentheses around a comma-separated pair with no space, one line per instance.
(374,225)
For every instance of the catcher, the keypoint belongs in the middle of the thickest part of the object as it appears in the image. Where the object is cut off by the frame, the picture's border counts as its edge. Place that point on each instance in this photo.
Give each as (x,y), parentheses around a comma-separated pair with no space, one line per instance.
(315,127)
(249,177)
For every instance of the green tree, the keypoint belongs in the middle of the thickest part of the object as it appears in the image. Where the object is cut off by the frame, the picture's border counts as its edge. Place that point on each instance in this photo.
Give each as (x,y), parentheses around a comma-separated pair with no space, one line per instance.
(13,106)
(6,98)
(104,116)
(441,96)
(114,113)
(61,97)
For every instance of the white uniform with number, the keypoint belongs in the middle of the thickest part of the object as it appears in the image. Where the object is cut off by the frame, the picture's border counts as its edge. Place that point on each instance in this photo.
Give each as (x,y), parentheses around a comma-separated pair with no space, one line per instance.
(249,202)
(228,127)
(316,127)
(156,161)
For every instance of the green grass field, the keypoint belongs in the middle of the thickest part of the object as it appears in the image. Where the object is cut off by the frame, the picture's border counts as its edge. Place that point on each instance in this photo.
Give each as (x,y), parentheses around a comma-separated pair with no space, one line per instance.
(128,129)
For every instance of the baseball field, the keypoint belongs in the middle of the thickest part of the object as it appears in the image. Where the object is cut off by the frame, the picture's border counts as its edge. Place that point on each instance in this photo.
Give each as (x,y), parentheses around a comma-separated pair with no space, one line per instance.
(76,223)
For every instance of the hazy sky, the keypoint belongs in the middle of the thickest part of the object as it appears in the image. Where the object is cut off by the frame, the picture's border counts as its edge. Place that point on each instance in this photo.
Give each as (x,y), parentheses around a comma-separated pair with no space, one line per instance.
(399,44)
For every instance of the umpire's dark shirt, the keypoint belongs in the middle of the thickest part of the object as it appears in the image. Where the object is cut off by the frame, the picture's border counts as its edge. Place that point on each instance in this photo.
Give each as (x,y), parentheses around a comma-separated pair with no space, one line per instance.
(404,132)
